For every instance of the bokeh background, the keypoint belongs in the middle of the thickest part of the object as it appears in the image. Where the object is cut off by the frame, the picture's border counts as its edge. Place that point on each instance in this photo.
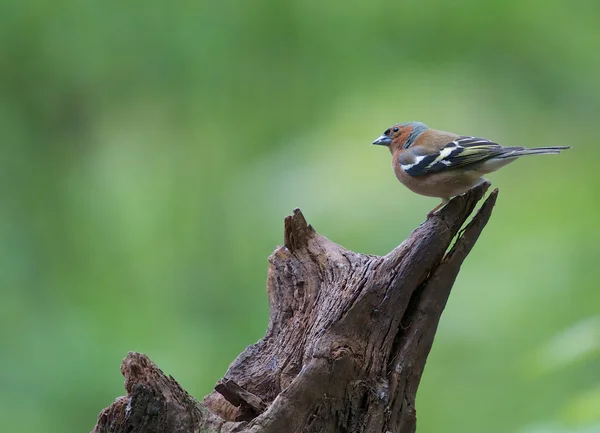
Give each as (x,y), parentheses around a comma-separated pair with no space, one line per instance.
(150,151)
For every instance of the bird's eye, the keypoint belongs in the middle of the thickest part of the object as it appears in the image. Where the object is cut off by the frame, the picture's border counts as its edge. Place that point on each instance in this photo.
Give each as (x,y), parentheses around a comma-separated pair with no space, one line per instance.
(387,132)
(396,129)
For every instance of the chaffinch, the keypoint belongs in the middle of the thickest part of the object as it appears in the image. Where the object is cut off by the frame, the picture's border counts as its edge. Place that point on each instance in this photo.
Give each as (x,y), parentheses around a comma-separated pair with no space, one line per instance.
(442,164)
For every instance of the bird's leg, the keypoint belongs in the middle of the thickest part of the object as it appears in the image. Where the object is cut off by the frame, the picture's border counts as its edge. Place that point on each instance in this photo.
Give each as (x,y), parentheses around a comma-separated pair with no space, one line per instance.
(442,204)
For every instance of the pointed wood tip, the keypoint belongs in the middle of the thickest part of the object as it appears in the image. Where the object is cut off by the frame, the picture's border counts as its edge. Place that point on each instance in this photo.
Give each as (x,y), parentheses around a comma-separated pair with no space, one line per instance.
(297,231)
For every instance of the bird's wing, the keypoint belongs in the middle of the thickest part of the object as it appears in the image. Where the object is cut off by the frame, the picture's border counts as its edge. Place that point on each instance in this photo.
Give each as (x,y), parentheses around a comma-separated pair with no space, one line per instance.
(461,152)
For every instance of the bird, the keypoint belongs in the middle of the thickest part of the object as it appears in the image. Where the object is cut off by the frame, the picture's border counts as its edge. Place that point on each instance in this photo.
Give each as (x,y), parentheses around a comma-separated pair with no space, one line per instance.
(443,164)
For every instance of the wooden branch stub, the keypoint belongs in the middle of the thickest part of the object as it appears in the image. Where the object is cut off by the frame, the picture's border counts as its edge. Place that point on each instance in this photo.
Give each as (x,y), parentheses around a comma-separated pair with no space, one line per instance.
(250,405)
(346,344)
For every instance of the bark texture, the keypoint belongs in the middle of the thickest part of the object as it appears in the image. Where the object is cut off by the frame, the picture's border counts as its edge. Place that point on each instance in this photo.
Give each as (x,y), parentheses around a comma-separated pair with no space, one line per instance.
(346,345)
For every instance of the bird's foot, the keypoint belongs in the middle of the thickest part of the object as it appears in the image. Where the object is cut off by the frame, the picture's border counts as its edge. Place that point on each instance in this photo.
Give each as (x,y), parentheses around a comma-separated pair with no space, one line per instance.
(435,209)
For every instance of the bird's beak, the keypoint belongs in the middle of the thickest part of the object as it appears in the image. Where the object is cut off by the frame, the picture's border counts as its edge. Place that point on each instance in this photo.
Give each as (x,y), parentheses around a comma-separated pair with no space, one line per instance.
(384,140)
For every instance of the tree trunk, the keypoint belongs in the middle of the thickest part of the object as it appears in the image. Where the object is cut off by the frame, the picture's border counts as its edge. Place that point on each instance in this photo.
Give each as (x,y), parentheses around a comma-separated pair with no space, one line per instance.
(346,344)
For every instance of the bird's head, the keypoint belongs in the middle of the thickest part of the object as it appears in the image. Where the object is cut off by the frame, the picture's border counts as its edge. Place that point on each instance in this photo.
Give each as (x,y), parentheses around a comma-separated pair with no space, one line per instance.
(401,135)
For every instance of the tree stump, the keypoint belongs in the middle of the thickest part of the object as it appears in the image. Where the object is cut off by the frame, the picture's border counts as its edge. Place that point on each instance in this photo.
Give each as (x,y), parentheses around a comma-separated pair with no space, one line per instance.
(346,345)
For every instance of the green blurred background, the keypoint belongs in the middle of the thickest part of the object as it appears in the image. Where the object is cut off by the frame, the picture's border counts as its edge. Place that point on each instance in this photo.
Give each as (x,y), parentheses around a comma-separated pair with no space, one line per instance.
(150,151)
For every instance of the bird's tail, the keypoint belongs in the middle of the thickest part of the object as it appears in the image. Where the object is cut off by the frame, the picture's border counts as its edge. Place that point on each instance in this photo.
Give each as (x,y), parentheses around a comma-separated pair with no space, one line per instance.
(514,152)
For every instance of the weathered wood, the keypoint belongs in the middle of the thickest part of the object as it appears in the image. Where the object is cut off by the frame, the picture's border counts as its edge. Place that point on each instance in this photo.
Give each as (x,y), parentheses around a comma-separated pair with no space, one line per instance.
(249,404)
(346,345)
